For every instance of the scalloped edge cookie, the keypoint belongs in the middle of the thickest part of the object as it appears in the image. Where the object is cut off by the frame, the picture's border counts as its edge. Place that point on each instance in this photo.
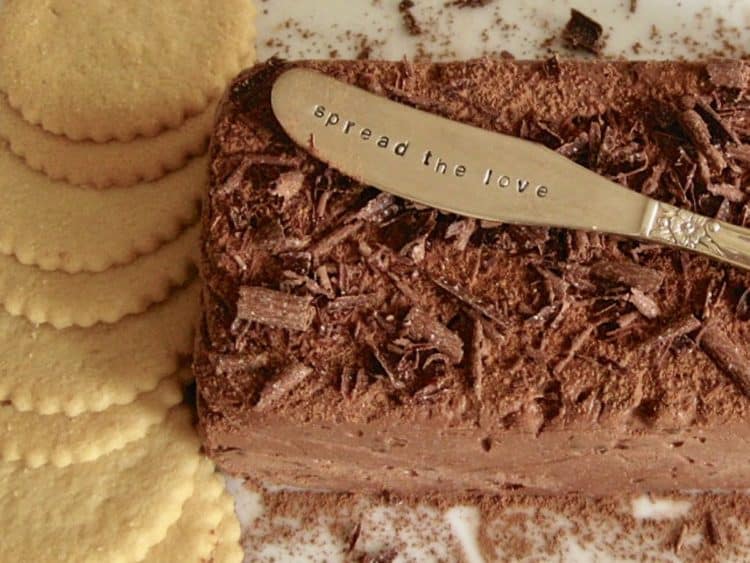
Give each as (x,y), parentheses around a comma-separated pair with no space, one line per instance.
(112,509)
(84,299)
(107,70)
(105,165)
(59,440)
(77,370)
(58,226)
(228,548)
(193,537)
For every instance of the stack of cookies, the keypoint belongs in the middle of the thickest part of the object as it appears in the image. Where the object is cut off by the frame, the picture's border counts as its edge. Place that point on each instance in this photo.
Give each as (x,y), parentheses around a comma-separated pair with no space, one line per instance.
(105,112)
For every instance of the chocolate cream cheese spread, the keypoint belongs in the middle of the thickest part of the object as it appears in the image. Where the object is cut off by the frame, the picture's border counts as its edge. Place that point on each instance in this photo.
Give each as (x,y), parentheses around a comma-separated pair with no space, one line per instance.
(351,340)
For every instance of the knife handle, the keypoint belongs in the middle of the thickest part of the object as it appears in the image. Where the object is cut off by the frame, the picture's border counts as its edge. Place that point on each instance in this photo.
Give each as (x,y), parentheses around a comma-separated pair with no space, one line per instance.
(664,223)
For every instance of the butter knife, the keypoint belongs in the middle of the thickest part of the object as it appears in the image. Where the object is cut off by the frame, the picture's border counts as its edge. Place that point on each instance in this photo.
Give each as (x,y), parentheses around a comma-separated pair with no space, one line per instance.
(466,170)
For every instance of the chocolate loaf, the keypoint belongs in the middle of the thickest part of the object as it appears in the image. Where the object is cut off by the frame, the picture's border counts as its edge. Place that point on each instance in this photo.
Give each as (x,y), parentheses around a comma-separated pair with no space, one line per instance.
(351,340)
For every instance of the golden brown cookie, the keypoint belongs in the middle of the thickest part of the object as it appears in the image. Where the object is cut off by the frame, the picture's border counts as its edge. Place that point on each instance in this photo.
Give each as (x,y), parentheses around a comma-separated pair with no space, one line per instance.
(58,226)
(112,509)
(77,370)
(37,439)
(87,298)
(104,165)
(193,537)
(113,70)
(228,549)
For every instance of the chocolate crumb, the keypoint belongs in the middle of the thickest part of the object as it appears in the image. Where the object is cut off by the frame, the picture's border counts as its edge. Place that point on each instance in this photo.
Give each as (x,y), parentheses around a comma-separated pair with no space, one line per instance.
(633,6)
(727,356)
(275,308)
(384,556)
(582,32)
(410,22)
(552,68)
(468,3)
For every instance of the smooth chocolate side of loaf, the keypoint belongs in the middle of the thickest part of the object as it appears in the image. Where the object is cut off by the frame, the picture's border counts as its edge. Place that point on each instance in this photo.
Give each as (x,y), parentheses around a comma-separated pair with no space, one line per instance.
(353,340)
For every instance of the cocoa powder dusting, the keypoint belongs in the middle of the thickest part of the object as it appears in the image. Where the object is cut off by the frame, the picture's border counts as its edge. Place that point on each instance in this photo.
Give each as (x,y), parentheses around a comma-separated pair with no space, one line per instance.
(510,528)
(374,312)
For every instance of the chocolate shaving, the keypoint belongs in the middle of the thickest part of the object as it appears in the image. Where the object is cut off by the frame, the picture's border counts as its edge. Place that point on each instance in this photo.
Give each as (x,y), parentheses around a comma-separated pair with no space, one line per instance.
(727,73)
(697,131)
(378,209)
(474,302)
(680,537)
(628,274)
(720,125)
(677,328)
(419,325)
(324,246)
(573,148)
(477,354)
(729,192)
(577,343)
(349,302)
(743,306)
(739,152)
(581,32)
(461,231)
(728,356)
(274,308)
(714,531)
(399,375)
(288,185)
(645,305)
(652,182)
(410,22)
(292,376)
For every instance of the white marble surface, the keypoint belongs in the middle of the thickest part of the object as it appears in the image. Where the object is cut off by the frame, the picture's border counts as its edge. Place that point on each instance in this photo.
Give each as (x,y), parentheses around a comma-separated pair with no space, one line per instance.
(326,28)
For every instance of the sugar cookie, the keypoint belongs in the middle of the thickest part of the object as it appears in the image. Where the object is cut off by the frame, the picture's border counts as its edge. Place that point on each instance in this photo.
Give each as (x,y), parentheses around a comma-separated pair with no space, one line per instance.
(228,548)
(57,226)
(36,439)
(113,70)
(112,509)
(76,370)
(104,165)
(193,537)
(86,298)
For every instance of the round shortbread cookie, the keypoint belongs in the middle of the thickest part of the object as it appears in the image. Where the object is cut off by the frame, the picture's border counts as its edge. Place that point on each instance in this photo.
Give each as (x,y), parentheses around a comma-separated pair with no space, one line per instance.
(228,548)
(193,537)
(58,226)
(77,370)
(112,70)
(104,165)
(86,298)
(57,439)
(112,509)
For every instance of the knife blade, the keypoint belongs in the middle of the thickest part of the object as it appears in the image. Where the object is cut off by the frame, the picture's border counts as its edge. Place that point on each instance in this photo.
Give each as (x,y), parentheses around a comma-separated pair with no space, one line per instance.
(466,170)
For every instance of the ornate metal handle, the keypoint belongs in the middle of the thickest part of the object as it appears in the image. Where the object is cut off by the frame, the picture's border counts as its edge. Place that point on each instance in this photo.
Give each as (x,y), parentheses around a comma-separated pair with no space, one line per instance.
(723,241)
